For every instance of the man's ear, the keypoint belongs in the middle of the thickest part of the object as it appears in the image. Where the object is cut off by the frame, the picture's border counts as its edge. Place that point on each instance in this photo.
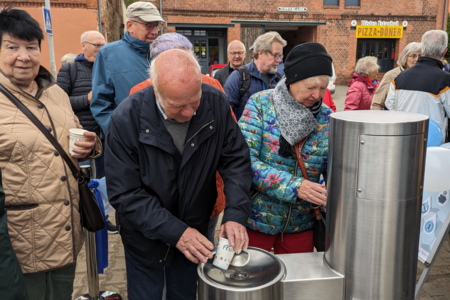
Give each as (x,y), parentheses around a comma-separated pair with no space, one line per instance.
(443,55)
(128,25)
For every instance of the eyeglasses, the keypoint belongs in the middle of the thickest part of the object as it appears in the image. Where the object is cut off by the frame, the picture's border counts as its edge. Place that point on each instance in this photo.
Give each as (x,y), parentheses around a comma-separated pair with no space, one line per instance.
(276,56)
(237,53)
(149,26)
(414,56)
(95,45)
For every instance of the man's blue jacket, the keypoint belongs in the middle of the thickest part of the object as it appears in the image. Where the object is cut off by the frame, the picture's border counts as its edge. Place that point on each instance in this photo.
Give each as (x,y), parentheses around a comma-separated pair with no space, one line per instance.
(118,67)
(233,84)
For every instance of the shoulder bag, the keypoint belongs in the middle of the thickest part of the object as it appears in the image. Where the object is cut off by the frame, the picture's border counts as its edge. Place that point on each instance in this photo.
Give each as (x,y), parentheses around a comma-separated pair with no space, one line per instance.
(91,216)
(319,223)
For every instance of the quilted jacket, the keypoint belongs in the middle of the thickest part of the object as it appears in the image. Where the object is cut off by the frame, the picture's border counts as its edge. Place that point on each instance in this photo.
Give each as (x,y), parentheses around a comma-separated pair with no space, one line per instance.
(41,194)
(277,179)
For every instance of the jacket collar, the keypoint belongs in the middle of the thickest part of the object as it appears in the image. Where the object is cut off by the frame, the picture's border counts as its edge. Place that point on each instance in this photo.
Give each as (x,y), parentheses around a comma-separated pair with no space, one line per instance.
(153,131)
(255,72)
(44,79)
(138,45)
(430,61)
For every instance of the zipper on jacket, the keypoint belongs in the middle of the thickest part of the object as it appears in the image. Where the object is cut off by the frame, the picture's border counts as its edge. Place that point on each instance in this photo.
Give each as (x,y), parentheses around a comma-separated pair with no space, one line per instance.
(290,206)
(167,253)
(196,133)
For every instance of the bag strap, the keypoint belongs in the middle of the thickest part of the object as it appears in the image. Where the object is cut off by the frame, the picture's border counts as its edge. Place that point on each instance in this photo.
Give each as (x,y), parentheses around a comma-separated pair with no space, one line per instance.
(297,148)
(244,73)
(41,127)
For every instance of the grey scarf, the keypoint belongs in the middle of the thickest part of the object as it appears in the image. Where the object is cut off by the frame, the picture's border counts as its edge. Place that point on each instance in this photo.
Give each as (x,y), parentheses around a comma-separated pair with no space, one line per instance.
(295,120)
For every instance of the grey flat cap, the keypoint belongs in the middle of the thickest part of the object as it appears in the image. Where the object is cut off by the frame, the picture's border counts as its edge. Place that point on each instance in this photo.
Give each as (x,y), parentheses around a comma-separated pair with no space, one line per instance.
(145,11)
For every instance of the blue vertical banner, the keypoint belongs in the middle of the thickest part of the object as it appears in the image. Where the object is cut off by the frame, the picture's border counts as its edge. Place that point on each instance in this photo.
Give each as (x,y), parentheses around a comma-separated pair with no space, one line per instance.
(47,21)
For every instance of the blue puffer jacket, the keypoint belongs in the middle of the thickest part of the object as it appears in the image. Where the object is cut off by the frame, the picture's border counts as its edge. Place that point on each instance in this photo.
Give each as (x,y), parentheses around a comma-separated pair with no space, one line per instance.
(118,67)
(233,85)
(276,208)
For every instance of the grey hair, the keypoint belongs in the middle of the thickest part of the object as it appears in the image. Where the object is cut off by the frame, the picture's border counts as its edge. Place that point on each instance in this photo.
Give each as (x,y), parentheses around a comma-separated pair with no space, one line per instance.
(154,74)
(228,48)
(264,42)
(85,34)
(366,65)
(169,41)
(409,49)
(68,58)
(434,43)
(316,79)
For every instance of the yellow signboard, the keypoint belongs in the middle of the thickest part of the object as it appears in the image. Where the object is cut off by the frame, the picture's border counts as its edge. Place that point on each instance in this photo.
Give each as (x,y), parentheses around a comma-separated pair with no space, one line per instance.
(379,32)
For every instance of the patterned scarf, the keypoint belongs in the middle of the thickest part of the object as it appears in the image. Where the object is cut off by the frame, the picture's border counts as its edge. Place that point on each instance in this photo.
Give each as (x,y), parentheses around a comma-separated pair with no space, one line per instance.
(295,120)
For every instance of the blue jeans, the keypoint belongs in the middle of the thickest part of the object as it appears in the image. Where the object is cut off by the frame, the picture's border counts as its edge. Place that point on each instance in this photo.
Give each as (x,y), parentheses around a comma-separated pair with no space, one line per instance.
(180,279)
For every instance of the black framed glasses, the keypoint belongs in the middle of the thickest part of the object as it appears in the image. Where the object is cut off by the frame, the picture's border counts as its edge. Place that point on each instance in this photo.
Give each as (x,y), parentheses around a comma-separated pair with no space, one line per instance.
(95,45)
(276,56)
(149,26)
(237,53)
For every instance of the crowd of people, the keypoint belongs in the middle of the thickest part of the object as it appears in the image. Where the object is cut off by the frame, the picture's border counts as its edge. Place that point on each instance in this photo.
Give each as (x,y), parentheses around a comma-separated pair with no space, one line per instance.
(177,148)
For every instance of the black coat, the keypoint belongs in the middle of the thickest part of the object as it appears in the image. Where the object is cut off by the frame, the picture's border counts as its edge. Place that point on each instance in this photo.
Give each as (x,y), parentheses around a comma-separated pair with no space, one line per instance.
(78,88)
(156,191)
(222,74)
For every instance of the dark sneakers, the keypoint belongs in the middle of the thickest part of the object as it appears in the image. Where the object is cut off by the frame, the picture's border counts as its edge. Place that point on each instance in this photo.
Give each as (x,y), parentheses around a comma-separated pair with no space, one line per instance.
(112,229)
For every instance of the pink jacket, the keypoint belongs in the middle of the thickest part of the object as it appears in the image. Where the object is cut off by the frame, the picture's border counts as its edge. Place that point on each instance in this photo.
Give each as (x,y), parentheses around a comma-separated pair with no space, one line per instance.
(360,94)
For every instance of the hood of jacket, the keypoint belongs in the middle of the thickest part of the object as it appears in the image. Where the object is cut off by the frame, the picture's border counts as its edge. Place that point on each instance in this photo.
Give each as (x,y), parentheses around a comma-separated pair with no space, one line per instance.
(42,199)
(359,78)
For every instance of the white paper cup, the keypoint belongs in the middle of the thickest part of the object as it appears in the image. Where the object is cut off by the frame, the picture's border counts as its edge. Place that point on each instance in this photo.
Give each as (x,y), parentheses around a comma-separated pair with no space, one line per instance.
(76,134)
(224,254)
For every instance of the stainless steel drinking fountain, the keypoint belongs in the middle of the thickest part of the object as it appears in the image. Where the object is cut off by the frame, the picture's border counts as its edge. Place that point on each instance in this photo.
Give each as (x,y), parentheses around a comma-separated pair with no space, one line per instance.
(375,171)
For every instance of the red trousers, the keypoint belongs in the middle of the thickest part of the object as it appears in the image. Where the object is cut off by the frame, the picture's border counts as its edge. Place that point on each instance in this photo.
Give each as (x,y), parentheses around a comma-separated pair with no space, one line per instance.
(292,242)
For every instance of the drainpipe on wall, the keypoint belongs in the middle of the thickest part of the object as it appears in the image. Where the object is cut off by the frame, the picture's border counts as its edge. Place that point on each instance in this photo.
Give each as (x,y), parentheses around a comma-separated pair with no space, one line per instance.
(100,17)
(445,15)
(160,12)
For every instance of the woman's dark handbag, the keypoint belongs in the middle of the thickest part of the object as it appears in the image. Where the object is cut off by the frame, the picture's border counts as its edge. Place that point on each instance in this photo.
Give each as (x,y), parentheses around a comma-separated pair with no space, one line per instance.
(91,216)
(319,223)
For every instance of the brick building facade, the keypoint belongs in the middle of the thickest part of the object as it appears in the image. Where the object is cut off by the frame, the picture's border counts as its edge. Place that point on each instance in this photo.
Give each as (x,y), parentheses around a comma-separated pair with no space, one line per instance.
(70,19)
(212,24)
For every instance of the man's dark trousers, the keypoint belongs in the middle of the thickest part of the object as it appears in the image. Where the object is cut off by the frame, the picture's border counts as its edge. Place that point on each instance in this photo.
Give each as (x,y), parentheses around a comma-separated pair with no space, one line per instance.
(148,283)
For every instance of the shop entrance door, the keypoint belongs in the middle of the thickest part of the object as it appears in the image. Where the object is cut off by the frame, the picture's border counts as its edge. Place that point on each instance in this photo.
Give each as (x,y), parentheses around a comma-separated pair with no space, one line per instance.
(384,50)
(200,46)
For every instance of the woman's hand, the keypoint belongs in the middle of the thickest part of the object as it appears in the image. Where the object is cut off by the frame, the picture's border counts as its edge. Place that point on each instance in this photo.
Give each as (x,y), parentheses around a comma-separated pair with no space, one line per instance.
(88,146)
(313,192)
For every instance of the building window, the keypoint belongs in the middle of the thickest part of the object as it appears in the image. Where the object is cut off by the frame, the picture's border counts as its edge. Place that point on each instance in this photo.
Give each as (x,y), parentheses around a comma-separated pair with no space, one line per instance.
(352,2)
(185,32)
(199,32)
(215,33)
(331,2)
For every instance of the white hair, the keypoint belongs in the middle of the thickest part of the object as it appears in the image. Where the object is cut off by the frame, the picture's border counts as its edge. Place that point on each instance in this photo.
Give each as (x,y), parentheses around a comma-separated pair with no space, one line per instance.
(434,43)
(411,48)
(228,48)
(367,65)
(317,79)
(154,74)
(85,34)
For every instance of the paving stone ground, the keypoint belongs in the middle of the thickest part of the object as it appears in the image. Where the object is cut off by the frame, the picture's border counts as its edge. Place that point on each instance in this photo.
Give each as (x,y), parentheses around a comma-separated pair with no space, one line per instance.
(437,286)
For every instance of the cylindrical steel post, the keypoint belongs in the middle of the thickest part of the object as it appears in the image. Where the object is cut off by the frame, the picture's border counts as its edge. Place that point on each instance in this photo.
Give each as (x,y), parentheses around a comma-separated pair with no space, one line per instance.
(376,171)
(91,264)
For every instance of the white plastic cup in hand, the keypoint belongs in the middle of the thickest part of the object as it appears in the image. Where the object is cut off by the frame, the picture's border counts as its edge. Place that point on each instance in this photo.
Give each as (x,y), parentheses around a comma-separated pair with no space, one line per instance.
(224,254)
(76,135)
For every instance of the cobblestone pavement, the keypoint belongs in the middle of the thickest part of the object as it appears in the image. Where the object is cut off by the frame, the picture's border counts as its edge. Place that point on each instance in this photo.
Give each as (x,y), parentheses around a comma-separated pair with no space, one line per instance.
(437,286)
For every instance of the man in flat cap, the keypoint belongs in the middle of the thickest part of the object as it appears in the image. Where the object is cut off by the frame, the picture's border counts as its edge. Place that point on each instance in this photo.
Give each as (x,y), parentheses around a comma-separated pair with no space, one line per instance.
(121,65)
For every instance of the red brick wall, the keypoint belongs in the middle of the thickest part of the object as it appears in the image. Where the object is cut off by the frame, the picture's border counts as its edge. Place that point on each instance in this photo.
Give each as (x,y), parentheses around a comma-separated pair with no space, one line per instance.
(336,36)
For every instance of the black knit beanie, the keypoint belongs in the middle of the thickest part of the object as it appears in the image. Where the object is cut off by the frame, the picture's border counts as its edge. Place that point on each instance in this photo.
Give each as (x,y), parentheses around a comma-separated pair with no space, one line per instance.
(307,60)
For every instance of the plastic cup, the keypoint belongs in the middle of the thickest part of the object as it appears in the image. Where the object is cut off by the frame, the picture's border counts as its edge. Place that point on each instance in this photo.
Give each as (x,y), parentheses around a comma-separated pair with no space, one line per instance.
(224,254)
(76,134)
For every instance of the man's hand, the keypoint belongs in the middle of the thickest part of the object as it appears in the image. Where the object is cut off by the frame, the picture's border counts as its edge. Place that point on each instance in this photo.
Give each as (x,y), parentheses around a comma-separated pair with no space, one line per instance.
(89,145)
(195,246)
(89,97)
(236,234)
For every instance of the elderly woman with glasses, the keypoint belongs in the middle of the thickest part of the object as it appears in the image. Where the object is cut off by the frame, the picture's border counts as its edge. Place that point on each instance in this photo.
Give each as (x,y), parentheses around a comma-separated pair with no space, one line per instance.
(407,59)
(286,129)
(363,84)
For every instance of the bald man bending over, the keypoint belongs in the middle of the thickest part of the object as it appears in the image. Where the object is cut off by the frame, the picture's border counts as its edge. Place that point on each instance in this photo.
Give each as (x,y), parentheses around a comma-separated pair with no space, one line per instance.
(164,146)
